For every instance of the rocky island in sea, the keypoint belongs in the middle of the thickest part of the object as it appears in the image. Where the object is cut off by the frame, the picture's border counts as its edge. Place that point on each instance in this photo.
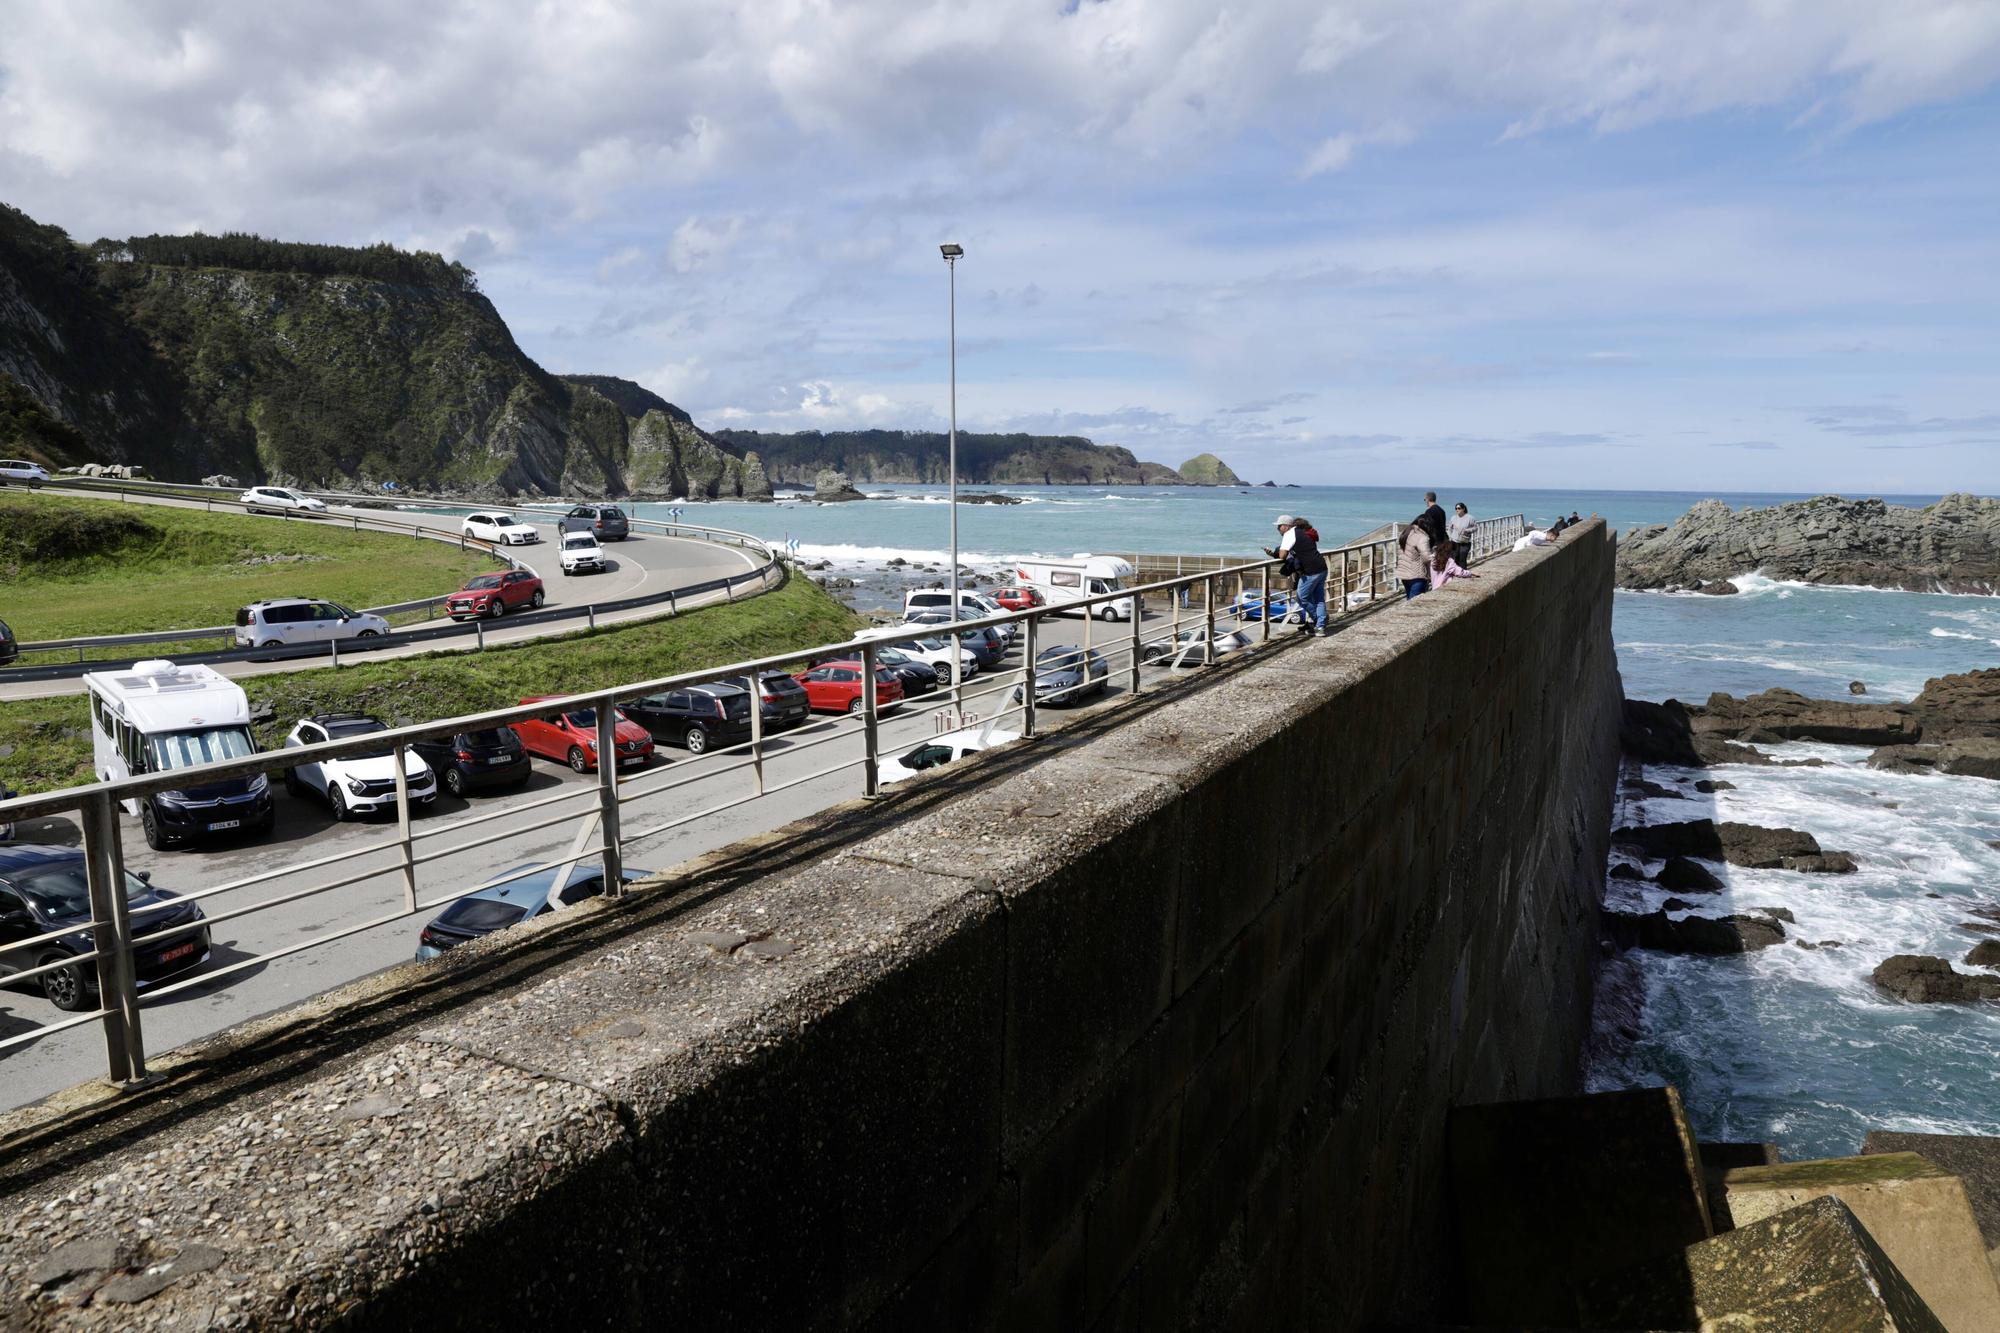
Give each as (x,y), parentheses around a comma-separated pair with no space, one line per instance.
(1950,546)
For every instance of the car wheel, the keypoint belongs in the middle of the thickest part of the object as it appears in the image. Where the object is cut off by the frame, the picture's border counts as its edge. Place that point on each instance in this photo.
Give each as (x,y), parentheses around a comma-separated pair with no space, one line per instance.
(494,609)
(271,643)
(454,782)
(537,600)
(696,740)
(369,634)
(338,802)
(150,822)
(854,704)
(66,988)
(578,760)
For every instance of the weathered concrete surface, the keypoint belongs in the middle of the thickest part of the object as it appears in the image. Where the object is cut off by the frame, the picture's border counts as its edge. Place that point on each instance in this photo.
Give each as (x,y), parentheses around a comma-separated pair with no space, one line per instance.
(1159,1027)
(1813,1269)
(1973,1158)
(1547,1193)
(1916,1211)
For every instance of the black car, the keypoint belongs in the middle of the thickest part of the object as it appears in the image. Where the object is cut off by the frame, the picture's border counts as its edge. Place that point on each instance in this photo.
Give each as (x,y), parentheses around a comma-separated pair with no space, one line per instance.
(44,889)
(7,793)
(696,717)
(518,894)
(785,701)
(10,647)
(605,522)
(476,760)
(915,677)
(1069,675)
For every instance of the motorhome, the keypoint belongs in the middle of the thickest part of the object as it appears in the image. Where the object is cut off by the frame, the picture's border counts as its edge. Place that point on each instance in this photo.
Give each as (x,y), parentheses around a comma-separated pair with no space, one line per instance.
(1063,582)
(153,717)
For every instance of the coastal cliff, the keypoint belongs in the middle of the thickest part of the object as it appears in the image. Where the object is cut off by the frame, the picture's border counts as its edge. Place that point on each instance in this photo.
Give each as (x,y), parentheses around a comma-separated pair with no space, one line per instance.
(919,457)
(1950,546)
(1208,470)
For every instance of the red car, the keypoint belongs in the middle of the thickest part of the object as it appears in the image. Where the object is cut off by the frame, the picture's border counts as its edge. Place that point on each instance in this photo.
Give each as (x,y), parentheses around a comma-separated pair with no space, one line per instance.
(572,737)
(835,687)
(1018,598)
(494,595)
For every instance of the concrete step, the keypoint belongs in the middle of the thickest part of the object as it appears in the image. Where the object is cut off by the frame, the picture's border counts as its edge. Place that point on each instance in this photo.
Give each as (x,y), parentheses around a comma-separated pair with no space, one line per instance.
(1810,1268)
(1717,1158)
(1973,1158)
(1915,1210)
(1546,1194)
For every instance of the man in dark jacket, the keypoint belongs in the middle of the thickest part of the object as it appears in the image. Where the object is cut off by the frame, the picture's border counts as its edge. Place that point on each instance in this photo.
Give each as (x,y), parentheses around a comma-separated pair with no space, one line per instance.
(1306,563)
(1433,510)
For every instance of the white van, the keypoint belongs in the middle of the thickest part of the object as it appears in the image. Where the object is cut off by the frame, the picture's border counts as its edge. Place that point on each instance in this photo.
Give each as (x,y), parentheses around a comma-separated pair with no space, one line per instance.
(283,622)
(155,716)
(1082,575)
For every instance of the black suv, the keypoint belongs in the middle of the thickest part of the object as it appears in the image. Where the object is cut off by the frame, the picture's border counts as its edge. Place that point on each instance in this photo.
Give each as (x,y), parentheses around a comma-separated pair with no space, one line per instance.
(696,717)
(606,522)
(476,760)
(45,889)
(10,647)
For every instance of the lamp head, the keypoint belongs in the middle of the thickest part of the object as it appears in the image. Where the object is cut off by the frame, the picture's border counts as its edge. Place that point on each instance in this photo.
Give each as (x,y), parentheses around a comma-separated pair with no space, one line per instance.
(950,251)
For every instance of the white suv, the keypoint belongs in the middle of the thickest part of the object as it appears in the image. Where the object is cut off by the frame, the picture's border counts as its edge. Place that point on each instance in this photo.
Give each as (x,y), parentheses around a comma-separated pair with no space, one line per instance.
(971,606)
(22,471)
(581,554)
(278,499)
(500,529)
(284,621)
(358,784)
(935,652)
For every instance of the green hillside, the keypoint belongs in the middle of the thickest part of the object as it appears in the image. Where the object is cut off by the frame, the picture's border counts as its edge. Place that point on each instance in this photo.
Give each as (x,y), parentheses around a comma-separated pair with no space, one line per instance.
(922,456)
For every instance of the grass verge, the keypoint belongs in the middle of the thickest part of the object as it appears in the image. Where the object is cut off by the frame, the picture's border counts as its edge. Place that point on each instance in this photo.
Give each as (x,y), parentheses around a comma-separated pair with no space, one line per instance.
(45,743)
(79,567)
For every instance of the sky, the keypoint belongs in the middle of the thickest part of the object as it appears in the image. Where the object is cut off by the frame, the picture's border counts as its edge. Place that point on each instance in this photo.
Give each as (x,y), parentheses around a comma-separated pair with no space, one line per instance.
(1681,244)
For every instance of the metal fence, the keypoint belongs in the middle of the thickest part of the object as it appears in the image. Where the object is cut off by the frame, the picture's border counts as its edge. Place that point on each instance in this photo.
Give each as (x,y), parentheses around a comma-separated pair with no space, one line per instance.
(1194,622)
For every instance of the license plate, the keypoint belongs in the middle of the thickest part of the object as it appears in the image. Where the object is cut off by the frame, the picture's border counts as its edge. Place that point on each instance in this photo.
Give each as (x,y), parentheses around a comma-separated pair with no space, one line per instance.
(632,759)
(222,824)
(178,951)
(500,759)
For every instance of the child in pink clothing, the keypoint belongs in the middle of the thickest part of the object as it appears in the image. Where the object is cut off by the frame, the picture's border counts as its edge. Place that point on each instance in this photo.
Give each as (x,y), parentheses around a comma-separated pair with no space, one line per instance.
(1444,569)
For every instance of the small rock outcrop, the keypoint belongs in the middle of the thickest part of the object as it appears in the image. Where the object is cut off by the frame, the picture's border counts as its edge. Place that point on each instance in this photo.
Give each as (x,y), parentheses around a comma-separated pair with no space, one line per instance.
(1208,470)
(1951,546)
(831,486)
(1787,715)
(1975,758)
(1856,687)
(1986,953)
(1685,876)
(1749,845)
(1736,933)
(1923,979)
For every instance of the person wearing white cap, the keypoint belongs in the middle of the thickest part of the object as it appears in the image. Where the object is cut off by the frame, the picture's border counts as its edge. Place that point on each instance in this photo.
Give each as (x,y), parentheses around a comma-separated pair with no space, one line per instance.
(1285,537)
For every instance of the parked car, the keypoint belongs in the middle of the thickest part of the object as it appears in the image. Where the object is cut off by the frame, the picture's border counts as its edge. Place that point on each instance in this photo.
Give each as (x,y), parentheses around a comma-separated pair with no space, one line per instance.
(571,736)
(10,647)
(1250,606)
(1069,675)
(971,606)
(45,889)
(607,523)
(1019,597)
(835,687)
(493,595)
(279,500)
(784,701)
(7,793)
(989,645)
(476,760)
(499,529)
(940,750)
(581,554)
(917,677)
(283,622)
(511,898)
(1185,649)
(937,654)
(696,717)
(22,472)
(356,784)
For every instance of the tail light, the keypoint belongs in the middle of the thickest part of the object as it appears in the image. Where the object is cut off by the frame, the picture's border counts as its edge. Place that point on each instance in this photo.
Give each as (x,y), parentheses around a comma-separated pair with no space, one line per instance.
(467,755)
(770,698)
(720,711)
(432,939)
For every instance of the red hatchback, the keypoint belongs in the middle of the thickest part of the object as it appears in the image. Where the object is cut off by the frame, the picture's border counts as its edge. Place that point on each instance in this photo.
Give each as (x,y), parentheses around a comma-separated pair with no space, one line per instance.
(572,737)
(1018,598)
(494,595)
(835,687)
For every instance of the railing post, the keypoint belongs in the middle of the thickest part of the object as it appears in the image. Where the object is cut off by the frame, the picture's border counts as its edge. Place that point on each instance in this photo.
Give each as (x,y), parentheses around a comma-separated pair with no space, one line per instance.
(405,848)
(756,688)
(1264,602)
(590,612)
(871,740)
(1028,638)
(334,645)
(479,632)
(1208,621)
(1138,637)
(111,936)
(607,797)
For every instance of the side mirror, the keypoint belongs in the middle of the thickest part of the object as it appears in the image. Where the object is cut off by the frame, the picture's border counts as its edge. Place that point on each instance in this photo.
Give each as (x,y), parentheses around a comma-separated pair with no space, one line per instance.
(143,876)
(15,918)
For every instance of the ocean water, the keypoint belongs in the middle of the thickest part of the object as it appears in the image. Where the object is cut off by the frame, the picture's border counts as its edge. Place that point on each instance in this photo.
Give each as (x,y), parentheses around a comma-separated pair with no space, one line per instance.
(1789,1044)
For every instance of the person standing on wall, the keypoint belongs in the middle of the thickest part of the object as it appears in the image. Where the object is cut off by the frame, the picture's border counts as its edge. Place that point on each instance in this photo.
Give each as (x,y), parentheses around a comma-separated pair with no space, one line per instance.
(1433,512)
(1414,552)
(1459,529)
(1305,563)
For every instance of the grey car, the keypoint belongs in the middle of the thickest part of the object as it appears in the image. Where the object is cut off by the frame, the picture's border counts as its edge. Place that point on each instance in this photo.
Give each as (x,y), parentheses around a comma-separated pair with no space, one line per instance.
(989,645)
(607,523)
(1069,675)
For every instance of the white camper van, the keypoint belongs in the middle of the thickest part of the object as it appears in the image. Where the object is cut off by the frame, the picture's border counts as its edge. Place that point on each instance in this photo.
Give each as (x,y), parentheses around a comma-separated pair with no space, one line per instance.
(1082,575)
(155,716)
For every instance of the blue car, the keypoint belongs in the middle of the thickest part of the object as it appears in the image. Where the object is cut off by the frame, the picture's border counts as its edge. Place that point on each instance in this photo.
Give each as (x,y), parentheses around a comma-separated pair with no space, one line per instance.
(1249,606)
(45,889)
(514,895)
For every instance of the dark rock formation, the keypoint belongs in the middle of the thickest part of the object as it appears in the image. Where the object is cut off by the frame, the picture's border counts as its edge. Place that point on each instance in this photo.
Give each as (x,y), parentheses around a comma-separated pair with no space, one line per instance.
(1748,845)
(1710,785)
(1782,715)
(1951,546)
(1664,734)
(992,498)
(921,456)
(1626,870)
(1685,876)
(1856,687)
(1986,953)
(1825,863)
(831,487)
(1719,588)
(1925,980)
(1693,934)
(1208,470)
(1960,707)
(1975,758)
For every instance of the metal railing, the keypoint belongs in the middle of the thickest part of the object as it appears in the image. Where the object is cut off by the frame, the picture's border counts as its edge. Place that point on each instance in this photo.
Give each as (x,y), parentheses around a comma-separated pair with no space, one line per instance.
(1193,624)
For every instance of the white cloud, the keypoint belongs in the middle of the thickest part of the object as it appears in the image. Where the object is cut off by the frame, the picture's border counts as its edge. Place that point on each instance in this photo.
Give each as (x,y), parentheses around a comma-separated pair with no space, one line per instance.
(698,245)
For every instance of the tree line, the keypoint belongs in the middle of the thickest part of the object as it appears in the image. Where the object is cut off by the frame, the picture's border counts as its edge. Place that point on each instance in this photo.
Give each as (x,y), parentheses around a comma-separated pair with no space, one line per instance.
(246,250)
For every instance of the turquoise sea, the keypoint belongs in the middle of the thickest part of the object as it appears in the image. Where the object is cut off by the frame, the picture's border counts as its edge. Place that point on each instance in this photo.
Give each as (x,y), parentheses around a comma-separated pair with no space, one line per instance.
(1790,1044)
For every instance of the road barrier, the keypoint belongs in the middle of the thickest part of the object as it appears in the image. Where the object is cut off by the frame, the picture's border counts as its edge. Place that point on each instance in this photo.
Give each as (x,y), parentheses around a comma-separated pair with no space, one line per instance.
(616,814)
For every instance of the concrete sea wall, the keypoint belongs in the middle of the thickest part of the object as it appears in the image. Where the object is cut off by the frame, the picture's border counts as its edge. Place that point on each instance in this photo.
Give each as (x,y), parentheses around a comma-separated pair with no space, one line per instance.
(1158,1028)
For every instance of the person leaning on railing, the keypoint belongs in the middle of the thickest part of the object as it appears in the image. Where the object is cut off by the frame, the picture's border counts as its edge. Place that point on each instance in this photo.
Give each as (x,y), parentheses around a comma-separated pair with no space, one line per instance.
(1308,566)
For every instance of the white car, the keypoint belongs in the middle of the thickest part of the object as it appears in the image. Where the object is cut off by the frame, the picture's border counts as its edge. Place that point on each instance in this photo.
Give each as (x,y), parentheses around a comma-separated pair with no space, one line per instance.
(938,751)
(278,499)
(22,471)
(581,554)
(357,784)
(1185,648)
(500,529)
(937,653)
(283,622)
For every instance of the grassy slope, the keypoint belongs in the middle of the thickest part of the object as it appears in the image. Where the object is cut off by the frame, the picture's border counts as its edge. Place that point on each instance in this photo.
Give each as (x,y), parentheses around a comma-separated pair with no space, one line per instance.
(51,741)
(76,567)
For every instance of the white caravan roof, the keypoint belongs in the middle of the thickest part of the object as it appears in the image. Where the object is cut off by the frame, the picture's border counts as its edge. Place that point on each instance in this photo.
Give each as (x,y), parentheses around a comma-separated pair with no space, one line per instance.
(159,696)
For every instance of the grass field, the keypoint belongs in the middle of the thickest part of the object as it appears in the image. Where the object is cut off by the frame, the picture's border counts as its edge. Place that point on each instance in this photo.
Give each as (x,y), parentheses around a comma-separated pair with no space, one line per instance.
(70,568)
(46,742)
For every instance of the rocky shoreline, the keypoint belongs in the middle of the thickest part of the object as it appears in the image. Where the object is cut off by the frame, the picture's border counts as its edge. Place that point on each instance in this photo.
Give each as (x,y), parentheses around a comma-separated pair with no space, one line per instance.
(1951,546)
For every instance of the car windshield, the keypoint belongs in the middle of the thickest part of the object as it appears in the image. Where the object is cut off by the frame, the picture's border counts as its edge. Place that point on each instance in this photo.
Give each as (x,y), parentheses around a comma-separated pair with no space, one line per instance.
(891,656)
(60,891)
(185,749)
(502,521)
(614,513)
(349,728)
(481,914)
(582,717)
(344,612)
(498,738)
(484,581)
(579,542)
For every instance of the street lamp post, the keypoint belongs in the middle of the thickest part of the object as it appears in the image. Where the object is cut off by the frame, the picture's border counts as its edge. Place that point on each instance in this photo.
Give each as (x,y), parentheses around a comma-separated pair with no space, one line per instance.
(952,253)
